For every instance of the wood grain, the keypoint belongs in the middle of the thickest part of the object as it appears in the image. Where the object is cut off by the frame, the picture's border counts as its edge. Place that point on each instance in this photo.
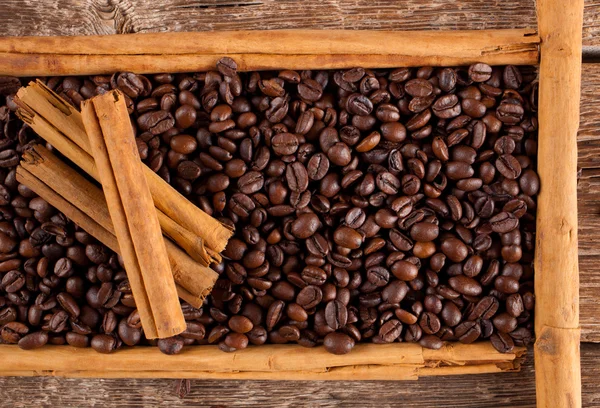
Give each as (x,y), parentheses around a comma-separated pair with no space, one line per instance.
(589,204)
(486,390)
(84,17)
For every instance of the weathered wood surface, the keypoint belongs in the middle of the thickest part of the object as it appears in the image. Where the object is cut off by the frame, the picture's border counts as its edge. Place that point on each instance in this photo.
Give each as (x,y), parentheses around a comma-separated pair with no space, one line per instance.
(477,391)
(589,204)
(79,17)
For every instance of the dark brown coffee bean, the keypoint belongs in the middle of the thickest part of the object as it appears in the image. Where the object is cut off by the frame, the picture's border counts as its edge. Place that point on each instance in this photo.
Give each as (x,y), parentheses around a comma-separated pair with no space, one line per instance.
(508,166)
(169,346)
(429,323)
(504,322)
(297,177)
(336,314)
(338,343)
(467,332)
(454,249)
(284,144)
(388,183)
(33,341)
(480,72)
(251,182)
(404,270)
(309,297)
(502,342)
(390,330)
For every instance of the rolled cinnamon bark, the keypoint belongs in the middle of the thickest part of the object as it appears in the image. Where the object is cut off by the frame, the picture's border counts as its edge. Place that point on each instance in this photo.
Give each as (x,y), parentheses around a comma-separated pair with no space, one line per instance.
(263,50)
(557,365)
(132,212)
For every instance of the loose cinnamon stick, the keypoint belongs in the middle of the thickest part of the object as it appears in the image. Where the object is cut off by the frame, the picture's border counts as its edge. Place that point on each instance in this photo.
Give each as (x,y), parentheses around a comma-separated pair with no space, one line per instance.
(131,209)
(72,194)
(65,117)
(260,50)
(37,100)
(557,355)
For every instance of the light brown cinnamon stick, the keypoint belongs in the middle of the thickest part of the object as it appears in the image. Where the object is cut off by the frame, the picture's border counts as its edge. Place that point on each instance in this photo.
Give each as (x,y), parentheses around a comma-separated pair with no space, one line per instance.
(384,362)
(557,354)
(131,209)
(256,50)
(38,100)
(64,117)
(72,194)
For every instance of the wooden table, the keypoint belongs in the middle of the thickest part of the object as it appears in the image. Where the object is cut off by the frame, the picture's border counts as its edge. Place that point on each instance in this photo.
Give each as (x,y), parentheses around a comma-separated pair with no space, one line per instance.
(80,17)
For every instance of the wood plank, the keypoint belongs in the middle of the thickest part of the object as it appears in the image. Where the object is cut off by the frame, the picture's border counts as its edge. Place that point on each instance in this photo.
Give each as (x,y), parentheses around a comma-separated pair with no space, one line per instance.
(589,204)
(56,17)
(487,390)
(93,17)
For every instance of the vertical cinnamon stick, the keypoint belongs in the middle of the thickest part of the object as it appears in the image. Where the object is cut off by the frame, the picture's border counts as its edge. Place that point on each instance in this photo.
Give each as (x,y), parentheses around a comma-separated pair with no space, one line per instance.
(557,365)
(131,208)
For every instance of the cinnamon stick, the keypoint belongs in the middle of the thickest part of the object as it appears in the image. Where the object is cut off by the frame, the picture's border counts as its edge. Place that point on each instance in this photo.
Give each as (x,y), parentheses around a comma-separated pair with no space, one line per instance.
(36,100)
(64,116)
(557,355)
(84,203)
(263,50)
(396,361)
(131,209)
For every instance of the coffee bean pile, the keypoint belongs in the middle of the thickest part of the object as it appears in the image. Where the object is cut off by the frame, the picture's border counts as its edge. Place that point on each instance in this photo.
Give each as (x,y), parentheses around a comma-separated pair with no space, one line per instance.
(369,205)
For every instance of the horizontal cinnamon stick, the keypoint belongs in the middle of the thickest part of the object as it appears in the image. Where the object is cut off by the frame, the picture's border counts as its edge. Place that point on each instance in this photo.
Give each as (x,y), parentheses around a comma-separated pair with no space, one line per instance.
(261,50)
(398,361)
(85,204)
(131,209)
(74,144)
(39,104)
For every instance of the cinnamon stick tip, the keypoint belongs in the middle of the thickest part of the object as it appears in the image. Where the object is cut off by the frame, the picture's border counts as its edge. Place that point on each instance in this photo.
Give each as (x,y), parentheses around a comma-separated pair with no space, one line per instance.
(31,155)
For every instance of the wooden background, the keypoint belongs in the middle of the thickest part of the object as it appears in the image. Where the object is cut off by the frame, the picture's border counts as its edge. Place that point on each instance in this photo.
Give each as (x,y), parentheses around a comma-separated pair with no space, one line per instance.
(86,17)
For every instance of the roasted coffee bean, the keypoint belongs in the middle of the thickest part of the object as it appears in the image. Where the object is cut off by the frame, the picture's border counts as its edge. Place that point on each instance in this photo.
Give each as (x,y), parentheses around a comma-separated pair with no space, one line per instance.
(508,166)
(480,72)
(240,324)
(170,346)
(284,144)
(454,249)
(390,330)
(13,332)
(250,183)
(429,323)
(297,177)
(33,340)
(336,314)
(131,336)
(318,166)
(502,342)
(467,332)
(338,343)
(347,237)
(465,285)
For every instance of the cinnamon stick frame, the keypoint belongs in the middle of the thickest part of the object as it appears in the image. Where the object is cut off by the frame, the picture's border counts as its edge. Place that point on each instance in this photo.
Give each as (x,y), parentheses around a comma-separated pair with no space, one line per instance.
(326,50)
